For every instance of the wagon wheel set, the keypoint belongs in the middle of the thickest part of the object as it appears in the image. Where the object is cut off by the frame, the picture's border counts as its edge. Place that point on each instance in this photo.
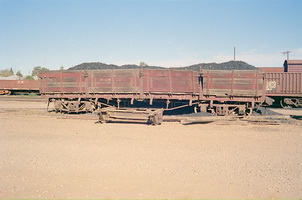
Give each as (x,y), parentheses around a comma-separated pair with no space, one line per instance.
(226,109)
(291,102)
(152,116)
(72,106)
(5,92)
(108,113)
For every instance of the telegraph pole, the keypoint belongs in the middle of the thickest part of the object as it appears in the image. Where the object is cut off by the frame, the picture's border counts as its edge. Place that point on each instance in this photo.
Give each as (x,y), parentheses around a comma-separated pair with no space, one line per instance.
(287,54)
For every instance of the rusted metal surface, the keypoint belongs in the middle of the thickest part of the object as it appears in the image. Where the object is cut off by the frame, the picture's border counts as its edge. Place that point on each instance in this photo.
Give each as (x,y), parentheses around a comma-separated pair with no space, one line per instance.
(19,84)
(232,84)
(229,92)
(212,90)
(113,81)
(63,82)
(124,83)
(170,81)
(148,83)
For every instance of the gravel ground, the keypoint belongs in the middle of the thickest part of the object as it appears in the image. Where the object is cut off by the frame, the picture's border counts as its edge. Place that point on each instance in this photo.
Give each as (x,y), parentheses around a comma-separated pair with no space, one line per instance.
(199,114)
(46,157)
(265,111)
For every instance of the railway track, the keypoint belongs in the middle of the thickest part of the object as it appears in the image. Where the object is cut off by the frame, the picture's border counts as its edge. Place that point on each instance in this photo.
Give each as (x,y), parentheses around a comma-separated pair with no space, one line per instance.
(270,116)
(22,98)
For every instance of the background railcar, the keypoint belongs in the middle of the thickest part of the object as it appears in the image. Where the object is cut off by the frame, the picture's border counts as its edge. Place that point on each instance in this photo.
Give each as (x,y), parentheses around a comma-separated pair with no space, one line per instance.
(284,84)
(285,88)
(19,87)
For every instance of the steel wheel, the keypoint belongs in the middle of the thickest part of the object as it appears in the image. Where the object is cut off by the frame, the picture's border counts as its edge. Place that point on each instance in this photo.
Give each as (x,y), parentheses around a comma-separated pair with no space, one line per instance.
(284,105)
(249,111)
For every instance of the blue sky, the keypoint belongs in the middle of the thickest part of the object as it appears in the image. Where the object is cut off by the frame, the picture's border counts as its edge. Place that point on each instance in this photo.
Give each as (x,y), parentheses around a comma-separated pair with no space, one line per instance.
(53,33)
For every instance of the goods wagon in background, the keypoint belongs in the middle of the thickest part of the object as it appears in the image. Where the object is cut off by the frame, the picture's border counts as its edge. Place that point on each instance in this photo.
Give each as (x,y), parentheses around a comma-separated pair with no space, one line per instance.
(216,91)
(284,84)
(8,87)
(285,88)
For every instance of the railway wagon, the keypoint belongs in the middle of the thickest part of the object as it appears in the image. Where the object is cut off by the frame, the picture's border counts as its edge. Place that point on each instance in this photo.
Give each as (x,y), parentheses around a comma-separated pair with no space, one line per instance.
(224,92)
(285,88)
(218,91)
(77,91)
(8,87)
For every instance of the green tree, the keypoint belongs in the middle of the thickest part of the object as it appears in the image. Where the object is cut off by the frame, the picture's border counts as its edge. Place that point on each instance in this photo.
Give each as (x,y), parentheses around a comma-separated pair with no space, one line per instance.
(142,64)
(38,69)
(6,72)
(19,74)
(28,77)
(62,68)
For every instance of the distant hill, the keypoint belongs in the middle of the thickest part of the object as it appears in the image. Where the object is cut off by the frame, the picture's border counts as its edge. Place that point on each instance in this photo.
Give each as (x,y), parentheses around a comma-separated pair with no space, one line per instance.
(231,65)
(99,65)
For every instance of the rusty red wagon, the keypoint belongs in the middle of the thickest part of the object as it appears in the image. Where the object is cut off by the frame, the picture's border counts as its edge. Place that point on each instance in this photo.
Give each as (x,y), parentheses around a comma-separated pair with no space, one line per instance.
(285,88)
(19,86)
(224,92)
(218,91)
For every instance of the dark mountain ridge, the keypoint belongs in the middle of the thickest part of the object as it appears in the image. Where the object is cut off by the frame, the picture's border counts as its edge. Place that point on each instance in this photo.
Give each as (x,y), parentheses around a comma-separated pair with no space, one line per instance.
(230,65)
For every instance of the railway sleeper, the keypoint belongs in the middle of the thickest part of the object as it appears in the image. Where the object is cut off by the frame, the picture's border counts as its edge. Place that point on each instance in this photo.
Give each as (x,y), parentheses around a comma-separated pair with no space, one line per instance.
(151,116)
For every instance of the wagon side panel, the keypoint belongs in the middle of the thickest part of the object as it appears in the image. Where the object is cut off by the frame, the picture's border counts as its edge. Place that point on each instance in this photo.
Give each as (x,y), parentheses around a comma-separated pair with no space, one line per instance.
(170,81)
(63,82)
(238,83)
(113,81)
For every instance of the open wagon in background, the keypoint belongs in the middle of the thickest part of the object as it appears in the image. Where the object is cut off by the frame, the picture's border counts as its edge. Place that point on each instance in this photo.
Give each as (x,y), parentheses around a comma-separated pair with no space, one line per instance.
(284,84)
(285,88)
(8,87)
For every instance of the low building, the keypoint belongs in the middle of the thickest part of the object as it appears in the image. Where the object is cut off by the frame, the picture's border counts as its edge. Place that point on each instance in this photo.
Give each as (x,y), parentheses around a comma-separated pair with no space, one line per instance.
(13,77)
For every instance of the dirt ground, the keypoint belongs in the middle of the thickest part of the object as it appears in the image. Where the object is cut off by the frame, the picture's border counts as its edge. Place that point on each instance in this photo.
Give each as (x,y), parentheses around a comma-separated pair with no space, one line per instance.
(44,155)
